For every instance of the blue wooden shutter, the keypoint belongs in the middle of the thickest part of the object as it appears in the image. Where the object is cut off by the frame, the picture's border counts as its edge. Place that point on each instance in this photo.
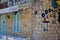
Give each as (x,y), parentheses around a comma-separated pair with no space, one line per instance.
(3,24)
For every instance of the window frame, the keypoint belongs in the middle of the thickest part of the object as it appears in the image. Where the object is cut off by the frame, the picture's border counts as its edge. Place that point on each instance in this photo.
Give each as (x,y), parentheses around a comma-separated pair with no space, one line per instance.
(15,23)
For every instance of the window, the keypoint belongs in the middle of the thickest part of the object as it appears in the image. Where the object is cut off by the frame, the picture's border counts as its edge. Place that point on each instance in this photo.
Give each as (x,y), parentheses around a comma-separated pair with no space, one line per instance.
(16,2)
(16,22)
(10,2)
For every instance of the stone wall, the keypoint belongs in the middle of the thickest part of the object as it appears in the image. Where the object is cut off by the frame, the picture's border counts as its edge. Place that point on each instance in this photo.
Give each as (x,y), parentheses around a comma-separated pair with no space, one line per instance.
(38,25)
(26,29)
(9,23)
(25,23)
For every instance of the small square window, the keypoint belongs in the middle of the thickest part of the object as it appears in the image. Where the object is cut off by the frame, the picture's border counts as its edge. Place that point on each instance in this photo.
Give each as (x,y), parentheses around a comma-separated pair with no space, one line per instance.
(10,2)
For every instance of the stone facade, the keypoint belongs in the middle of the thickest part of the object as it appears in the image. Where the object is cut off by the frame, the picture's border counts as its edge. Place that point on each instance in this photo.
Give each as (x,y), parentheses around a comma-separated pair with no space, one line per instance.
(25,24)
(38,25)
(32,25)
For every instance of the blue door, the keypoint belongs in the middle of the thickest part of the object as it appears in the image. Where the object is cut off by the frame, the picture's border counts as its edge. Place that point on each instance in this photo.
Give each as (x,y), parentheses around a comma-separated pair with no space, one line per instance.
(0,24)
(16,22)
(3,25)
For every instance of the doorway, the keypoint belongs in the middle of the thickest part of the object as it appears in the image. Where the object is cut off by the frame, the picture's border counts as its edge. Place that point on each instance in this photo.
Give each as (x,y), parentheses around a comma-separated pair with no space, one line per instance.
(2,24)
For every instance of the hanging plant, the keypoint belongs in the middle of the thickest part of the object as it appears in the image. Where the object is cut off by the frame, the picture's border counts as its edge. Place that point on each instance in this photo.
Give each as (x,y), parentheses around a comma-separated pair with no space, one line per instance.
(8,16)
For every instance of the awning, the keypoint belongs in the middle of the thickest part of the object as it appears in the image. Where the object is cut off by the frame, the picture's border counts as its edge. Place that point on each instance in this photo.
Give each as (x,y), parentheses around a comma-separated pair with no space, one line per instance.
(15,8)
(9,9)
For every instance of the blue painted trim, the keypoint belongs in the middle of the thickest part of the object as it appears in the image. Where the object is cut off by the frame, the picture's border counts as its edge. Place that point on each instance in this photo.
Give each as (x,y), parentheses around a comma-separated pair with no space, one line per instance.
(3,25)
(16,28)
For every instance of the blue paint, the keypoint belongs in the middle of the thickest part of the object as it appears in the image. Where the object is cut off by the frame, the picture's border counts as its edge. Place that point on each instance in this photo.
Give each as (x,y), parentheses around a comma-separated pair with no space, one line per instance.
(54,4)
(3,25)
(46,11)
(43,15)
